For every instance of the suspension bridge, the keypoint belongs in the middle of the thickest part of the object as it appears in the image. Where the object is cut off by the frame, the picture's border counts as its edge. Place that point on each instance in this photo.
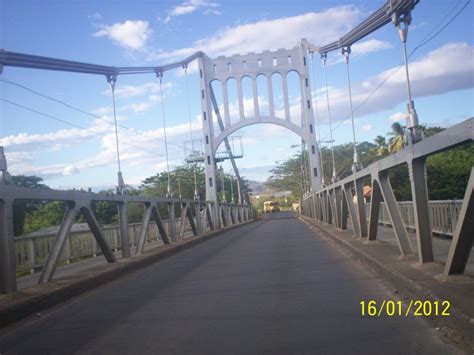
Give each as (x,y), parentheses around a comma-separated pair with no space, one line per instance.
(275,284)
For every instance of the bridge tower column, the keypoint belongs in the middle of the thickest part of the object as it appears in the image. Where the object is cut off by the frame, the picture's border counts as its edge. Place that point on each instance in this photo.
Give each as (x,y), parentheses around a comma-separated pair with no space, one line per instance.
(308,119)
(208,131)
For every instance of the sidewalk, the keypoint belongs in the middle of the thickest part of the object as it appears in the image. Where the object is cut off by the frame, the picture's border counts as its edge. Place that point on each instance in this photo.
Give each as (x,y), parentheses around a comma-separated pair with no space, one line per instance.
(410,280)
(79,266)
(440,245)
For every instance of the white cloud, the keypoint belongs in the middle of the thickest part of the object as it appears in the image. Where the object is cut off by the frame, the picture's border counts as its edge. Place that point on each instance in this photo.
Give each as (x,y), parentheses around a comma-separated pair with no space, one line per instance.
(140,107)
(367,127)
(318,28)
(127,91)
(362,48)
(369,46)
(191,6)
(95,16)
(70,170)
(398,116)
(129,34)
(433,74)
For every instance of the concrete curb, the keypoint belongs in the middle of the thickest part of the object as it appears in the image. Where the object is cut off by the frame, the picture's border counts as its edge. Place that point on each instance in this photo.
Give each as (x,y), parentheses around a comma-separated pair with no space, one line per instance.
(21,304)
(415,285)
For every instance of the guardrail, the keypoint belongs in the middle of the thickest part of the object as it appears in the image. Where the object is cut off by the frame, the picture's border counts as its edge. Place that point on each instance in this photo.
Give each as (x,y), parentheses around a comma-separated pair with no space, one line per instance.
(32,250)
(333,204)
(443,215)
(184,216)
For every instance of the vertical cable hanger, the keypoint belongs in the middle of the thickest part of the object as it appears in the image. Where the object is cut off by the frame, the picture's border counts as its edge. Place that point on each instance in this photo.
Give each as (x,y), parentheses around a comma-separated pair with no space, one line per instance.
(317,118)
(112,80)
(323,59)
(232,201)
(402,21)
(196,194)
(169,193)
(303,168)
(223,183)
(346,51)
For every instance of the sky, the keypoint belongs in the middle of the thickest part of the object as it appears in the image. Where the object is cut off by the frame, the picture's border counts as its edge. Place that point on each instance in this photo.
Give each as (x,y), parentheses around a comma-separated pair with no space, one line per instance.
(76,148)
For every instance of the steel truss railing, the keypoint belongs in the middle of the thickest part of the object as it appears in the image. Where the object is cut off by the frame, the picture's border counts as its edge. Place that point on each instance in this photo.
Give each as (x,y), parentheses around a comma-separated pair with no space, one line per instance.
(202,217)
(334,203)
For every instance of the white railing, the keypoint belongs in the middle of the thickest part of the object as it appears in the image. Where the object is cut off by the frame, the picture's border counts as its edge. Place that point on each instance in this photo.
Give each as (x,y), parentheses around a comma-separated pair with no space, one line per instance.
(32,251)
(443,215)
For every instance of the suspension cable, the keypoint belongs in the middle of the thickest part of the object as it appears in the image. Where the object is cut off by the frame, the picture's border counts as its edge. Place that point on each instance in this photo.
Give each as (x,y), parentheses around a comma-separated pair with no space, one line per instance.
(346,51)
(196,194)
(317,118)
(324,58)
(112,79)
(169,193)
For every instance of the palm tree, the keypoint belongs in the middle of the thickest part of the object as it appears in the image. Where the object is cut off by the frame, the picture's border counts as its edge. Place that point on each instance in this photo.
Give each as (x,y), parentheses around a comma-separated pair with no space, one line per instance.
(397,140)
(381,149)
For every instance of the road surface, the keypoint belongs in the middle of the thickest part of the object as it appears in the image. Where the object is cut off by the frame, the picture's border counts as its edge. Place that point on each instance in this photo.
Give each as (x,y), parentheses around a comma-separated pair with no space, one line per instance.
(270,287)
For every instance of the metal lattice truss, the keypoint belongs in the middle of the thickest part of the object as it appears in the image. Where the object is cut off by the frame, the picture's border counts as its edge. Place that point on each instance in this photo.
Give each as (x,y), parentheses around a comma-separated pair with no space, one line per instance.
(334,203)
(199,215)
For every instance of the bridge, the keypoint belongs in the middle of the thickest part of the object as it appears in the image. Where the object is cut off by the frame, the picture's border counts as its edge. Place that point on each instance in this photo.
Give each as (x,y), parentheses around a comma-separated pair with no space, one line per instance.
(207,275)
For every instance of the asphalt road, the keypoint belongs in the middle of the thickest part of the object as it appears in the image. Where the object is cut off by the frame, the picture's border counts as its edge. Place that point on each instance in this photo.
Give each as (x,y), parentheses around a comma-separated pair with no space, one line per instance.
(270,287)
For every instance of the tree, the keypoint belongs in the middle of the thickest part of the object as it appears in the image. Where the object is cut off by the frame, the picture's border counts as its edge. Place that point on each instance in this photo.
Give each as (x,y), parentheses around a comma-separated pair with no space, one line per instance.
(287,176)
(397,140)
(381,149)
(46,215)
(21,208)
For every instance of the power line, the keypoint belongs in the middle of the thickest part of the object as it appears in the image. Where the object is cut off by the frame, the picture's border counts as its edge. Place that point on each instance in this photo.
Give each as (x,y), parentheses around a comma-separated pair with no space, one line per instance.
(425,41)
(77,109)
(72,124)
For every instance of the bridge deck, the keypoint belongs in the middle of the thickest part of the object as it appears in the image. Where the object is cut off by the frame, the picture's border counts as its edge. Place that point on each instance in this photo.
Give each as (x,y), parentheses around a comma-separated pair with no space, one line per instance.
(267,287)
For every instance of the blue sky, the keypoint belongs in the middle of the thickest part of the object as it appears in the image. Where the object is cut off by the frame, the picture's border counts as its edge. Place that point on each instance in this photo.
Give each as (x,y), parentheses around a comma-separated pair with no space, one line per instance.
(124,33)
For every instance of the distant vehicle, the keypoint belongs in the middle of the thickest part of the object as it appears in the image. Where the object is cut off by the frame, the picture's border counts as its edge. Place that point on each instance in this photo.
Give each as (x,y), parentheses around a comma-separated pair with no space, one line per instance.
(270,206)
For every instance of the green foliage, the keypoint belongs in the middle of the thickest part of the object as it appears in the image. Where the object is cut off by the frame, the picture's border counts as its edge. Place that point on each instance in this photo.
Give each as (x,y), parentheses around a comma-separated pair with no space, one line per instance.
(46,215)
(448,172)
(22,208)
(288,176)
(182,180)
(397,140)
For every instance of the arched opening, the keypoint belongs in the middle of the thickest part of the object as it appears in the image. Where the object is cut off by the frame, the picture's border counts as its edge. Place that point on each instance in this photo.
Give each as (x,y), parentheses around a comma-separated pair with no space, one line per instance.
(278,98)
(232,95)
(269,149)
(247,97)
(294,97)
(262,90)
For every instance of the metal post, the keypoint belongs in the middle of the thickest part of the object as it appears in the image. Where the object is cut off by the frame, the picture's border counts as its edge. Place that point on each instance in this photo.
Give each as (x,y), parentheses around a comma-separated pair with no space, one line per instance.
(346,51)
(172,222)
(159,75)
(402,21)
(463,237)
(318,123)
(419,191)
(143,229)
(376,198)
(63,233)
(112,80)
(7,248)
(359,189)
(221,170)
(124,237)
(394,214)
(334,176)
